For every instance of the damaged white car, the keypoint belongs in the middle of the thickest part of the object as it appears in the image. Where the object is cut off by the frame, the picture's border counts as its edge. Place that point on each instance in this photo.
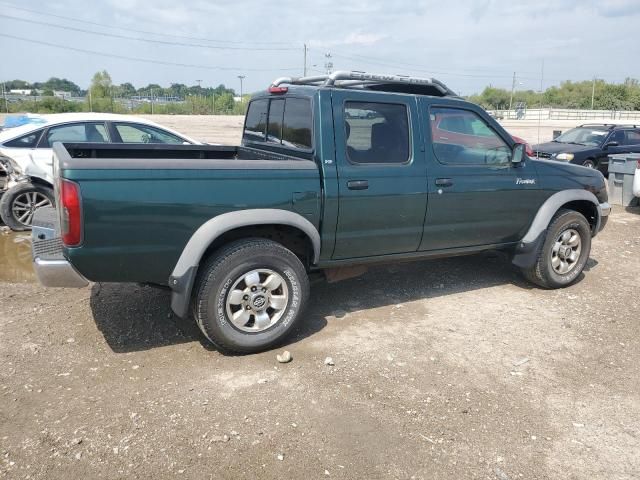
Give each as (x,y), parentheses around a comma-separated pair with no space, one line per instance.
(27,159)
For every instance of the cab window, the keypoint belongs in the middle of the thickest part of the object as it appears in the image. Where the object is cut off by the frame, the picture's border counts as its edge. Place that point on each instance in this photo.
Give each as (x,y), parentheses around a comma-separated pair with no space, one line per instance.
(281,121)
(296,126)
(274,124)
(255,123)
(462,137)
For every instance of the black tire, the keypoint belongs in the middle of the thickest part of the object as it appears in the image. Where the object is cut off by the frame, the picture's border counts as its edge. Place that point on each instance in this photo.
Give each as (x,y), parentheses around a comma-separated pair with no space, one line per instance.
(543,272)
(223,270)
(589,163)
(16,192)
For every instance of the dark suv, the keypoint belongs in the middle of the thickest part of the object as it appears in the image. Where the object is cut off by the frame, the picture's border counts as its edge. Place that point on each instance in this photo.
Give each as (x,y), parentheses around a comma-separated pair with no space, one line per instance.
(591,144)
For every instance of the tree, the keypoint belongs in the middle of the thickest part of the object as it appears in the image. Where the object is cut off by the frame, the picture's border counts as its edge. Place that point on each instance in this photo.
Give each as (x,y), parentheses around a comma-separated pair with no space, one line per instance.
(225,103)
(101,85)
(127,89)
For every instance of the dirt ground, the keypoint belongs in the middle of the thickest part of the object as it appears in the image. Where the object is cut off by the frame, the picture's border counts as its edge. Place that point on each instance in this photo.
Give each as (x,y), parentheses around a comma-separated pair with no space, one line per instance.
(447,369)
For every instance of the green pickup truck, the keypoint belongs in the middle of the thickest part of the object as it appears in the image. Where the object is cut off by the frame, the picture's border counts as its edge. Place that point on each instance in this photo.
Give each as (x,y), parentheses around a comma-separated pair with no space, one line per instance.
(334,172)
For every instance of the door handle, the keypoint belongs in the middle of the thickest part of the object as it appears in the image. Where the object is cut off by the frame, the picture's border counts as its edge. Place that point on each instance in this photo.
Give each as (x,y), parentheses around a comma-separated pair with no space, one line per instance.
(444,182)
(357,184)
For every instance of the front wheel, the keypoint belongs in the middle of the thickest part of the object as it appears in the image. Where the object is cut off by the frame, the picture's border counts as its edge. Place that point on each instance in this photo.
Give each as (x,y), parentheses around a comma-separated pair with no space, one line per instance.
(250,295)
(589,163)
(564,252)
(19,203)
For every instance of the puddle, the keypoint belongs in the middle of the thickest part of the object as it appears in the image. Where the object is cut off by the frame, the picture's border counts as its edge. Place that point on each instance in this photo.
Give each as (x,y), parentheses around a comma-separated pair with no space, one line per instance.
(15,257)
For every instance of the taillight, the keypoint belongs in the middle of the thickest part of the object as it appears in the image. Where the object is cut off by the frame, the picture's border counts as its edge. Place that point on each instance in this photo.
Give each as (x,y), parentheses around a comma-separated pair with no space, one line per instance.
(638,165)
(273,89)
(71,213)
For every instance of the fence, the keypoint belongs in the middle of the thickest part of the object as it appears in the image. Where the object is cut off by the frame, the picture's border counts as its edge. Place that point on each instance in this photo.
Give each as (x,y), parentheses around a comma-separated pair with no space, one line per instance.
(566,114)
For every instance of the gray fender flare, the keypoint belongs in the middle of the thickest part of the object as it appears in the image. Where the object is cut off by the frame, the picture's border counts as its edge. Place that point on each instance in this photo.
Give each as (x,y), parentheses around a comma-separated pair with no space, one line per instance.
(527,249)
(183,276)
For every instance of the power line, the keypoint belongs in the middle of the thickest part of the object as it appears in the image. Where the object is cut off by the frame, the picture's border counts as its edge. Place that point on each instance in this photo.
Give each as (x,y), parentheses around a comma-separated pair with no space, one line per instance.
(145,32)
(147,40)
(143,60)
(415,67)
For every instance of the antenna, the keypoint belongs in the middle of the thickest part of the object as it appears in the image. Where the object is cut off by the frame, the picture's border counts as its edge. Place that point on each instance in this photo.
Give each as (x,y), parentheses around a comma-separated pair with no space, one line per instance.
(328,64)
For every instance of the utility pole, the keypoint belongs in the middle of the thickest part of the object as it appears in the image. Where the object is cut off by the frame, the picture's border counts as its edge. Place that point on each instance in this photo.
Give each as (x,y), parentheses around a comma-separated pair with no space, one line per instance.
(4,95)
(90,101)
(152,101)
(241,77)
(328,64)
(513,87)
(199,97)
(593,92)
(304,71)
(541,92)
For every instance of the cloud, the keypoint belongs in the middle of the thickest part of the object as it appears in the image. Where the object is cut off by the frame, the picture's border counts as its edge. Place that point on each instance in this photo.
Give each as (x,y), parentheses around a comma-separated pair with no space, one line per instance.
(618,8)
(356,39)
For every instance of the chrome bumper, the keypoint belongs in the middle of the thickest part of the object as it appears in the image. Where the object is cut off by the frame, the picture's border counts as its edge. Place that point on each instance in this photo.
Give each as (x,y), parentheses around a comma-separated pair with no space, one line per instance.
(49,263)
(58,273)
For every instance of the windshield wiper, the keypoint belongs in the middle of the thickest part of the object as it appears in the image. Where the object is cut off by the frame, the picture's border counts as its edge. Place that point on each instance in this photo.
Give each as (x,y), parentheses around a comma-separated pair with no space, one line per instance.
(577,143)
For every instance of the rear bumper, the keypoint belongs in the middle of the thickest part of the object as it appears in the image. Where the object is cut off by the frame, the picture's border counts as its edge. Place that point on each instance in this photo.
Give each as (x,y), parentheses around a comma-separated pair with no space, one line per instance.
(49,263)
(58,273)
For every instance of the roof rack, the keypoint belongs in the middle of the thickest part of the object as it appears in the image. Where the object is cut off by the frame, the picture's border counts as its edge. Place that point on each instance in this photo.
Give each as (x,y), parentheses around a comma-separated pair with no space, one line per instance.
(372,81)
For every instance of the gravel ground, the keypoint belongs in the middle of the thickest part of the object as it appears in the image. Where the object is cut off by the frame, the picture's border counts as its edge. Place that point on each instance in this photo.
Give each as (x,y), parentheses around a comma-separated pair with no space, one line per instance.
(447,369)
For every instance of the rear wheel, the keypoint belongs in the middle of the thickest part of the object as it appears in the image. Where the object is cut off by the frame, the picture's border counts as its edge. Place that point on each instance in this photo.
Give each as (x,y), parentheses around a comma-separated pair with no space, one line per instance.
(19,203)
(564,252)
(250,295)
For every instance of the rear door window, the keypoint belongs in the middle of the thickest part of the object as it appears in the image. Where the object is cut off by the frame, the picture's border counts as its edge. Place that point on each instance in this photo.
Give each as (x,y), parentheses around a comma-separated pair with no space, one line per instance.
(377,132)
(76,132)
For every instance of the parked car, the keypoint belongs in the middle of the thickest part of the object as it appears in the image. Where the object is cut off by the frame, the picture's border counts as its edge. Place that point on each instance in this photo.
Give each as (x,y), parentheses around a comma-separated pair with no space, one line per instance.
(590,145)
(235,232)
(636,181)
(27,158)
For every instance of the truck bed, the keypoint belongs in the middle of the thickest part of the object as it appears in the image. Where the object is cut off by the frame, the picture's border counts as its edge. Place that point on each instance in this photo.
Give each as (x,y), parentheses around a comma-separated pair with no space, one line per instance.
(142,203)
(168,151)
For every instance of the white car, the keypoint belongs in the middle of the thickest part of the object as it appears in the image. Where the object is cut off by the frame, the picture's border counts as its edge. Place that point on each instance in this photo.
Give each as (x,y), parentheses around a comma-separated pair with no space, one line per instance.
(27,158)
(636,181)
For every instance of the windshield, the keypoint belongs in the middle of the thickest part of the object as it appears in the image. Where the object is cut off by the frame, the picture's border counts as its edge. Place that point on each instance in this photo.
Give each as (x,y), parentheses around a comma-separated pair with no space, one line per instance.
(583,136)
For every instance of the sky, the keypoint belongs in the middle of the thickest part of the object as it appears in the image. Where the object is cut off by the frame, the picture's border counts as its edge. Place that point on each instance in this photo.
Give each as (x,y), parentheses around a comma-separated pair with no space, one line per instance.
(468,44)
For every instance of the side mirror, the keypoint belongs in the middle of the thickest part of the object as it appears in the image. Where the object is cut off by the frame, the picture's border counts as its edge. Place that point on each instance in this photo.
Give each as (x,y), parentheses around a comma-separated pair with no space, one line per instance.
(518,154)
(611,144)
